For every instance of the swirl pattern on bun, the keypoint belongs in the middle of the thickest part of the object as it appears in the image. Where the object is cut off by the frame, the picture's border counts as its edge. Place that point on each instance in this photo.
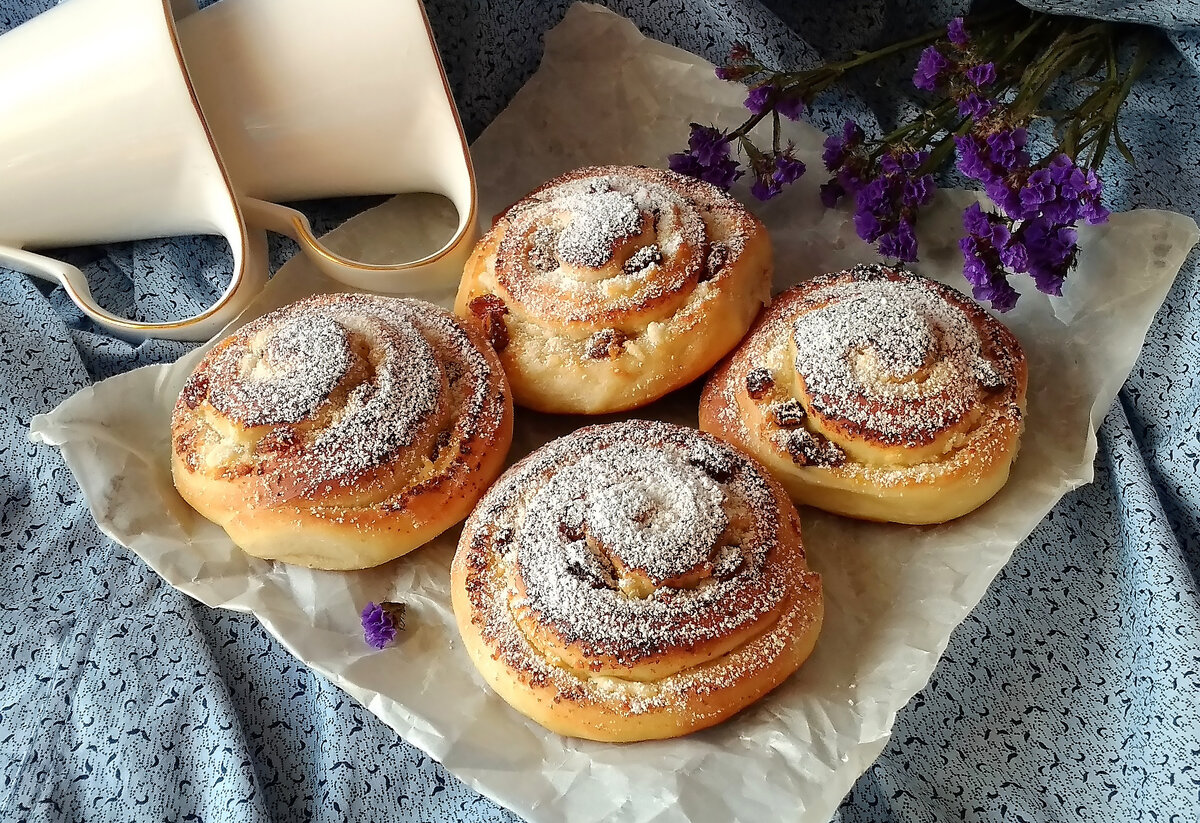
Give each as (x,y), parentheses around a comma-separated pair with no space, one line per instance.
(611,286)
(877,394)
(342,431)
(634,581)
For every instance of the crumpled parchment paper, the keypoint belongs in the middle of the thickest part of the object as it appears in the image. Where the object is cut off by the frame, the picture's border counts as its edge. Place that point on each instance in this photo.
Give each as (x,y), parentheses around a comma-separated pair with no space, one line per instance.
(606,94)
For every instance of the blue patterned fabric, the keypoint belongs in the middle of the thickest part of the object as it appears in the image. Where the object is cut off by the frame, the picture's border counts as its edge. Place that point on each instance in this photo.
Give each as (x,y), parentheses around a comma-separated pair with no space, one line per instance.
(1071,693)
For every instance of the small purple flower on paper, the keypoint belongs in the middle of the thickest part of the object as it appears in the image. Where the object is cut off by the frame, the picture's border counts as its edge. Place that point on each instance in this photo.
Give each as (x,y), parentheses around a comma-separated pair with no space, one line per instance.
(834,154)
(868,226)
(381,622)
(873,206)
(850,180)
(1014,255)
(708,145)
(989,281)
(1052,250)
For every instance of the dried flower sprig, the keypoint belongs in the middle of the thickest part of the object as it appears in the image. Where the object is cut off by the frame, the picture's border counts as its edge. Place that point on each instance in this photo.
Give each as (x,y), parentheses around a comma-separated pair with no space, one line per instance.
(991,76)
(381,623)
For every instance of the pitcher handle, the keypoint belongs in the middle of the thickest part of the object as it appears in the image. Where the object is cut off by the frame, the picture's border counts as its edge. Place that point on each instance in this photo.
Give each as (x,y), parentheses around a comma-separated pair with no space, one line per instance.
(439,270)
(249,277)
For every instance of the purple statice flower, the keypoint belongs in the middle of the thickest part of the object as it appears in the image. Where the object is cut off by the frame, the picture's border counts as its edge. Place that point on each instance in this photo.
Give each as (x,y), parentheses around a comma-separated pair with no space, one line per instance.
(727,72)
(973,160)
(1051,251)
(987,233)
(874,206)
(1044,249)
(885,205)
(685,163)
(852,134)
(932,69)
(708,145)
(1014,255)
(975,105)
(786,169)
(381,622)
(900,242)
(834,154)
(988,279)
(986,226)
(837,148)
(917,191)
(791,106)
(707,158)
(758,101)
(1005,195)
(1039,191)
(893,163)
(1007,148)
(850,179)
(890,164)
(957,32)
(996,161)
(764,188)
(982,76)
(1063,193)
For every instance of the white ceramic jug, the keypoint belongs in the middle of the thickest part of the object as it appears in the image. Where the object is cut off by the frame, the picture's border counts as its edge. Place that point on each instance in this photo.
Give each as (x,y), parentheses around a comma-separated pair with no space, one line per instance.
(116,126)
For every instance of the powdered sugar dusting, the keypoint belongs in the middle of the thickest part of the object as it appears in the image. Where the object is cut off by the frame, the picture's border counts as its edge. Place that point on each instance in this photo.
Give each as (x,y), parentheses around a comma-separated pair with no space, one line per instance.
(639,508)
(384,414)
(601,243)
(281,375)
(573,523)
(890,357)
(597,221)
(350,379)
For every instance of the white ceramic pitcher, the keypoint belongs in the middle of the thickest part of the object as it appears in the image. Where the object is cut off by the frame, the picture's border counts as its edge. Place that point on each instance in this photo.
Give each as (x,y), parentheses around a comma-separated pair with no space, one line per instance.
(114,126)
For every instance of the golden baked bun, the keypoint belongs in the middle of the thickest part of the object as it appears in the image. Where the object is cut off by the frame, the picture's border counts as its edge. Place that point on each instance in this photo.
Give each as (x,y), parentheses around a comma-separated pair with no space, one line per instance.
(877,394)
(342,431)
(634,581)
(610,286)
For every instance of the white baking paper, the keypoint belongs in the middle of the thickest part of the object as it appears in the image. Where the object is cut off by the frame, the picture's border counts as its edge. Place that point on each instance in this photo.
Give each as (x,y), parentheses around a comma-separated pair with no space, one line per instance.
(606,94)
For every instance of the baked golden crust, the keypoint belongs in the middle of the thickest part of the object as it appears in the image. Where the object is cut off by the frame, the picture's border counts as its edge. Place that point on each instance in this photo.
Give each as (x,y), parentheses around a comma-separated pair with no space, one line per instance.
(342,431)
(877,394)
(634,581)
(610,286)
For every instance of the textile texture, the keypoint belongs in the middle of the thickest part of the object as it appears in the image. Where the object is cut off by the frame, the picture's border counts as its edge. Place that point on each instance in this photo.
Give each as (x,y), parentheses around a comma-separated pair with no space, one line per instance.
(1071,693)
